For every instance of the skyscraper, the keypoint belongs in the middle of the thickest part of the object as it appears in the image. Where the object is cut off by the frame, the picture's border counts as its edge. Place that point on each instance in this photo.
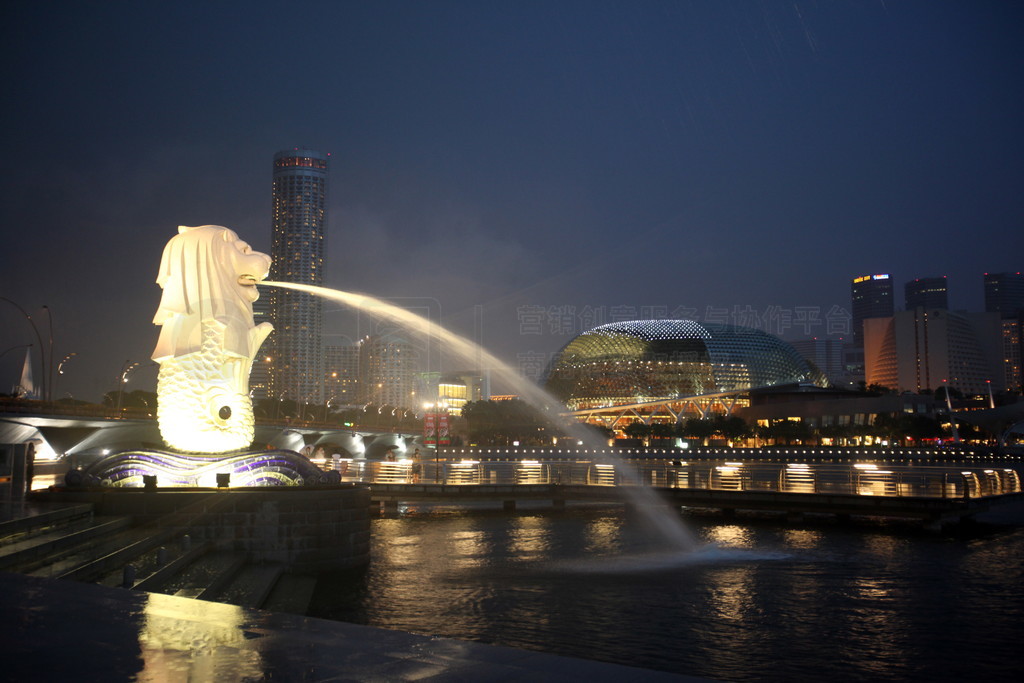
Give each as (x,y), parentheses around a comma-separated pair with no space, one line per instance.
(928,293)
(1004,294)
(297,249)
(871,297)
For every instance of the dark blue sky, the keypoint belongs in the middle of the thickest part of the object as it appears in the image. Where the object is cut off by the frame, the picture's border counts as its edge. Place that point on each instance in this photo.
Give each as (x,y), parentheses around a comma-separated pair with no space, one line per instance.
(612,158)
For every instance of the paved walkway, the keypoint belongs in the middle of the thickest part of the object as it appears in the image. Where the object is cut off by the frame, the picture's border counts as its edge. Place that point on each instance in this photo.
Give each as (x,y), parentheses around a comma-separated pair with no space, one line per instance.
(62,631)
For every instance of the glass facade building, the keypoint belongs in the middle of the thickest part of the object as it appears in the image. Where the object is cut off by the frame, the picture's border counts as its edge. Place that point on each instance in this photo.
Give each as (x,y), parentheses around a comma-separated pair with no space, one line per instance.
(926,292)
(870,297)
(654,360)
(297,249)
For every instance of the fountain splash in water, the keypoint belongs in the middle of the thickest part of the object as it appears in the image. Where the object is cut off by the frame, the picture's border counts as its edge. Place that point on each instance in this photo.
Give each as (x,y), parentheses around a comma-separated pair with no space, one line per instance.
(661,516)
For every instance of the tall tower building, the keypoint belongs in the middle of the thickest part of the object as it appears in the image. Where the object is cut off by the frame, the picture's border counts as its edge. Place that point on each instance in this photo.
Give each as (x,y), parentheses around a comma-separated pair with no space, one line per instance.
(871,297)
(928,293)
(297,249)
(1004,294)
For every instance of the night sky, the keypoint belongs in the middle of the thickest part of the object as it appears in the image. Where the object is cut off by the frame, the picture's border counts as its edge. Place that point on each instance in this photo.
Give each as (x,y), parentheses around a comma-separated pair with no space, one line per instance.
(550,164)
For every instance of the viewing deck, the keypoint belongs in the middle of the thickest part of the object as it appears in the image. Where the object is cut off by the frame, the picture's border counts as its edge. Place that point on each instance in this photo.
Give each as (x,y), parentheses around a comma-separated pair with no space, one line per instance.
(937,493)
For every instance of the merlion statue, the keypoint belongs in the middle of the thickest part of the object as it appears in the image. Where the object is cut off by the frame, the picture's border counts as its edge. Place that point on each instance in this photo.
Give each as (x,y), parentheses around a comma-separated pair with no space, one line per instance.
(208,339)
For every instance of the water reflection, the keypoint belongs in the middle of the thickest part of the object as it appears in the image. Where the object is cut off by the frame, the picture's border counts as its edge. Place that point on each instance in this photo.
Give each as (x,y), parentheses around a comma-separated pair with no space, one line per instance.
(602,536)
(194,640)
(467,549)
(803,539)
(732,536)
(529,538)
(758,602)
(731,594)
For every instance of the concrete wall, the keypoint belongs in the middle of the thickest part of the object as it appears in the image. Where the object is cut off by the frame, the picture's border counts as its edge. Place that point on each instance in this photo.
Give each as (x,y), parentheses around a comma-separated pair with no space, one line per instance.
(310,530)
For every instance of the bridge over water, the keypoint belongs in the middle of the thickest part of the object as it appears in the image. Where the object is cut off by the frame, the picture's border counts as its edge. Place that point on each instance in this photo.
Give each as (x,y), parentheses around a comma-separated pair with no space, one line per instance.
(795,482)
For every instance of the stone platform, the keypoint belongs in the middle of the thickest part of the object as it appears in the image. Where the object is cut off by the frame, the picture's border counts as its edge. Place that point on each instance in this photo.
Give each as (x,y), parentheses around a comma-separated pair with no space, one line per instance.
(67,631)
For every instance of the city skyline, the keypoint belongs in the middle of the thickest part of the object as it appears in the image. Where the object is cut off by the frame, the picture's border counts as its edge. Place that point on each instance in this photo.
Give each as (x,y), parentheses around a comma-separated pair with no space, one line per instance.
(546,163)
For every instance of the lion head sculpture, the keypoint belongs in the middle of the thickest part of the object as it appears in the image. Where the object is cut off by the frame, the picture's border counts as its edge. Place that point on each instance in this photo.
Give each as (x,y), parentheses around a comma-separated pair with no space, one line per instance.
(207,339)
(207,273)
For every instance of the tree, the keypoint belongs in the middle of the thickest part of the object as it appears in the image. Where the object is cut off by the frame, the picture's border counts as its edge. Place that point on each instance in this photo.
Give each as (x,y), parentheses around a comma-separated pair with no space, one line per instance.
(502,422)
(637,430)
(695,428)
(732,427)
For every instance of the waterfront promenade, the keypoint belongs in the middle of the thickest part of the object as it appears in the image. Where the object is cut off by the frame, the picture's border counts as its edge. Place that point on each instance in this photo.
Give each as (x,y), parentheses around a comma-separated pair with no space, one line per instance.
(936,487)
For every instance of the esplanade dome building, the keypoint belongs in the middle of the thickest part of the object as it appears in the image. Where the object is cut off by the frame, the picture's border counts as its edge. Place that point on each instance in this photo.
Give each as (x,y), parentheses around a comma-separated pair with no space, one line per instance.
(644,362)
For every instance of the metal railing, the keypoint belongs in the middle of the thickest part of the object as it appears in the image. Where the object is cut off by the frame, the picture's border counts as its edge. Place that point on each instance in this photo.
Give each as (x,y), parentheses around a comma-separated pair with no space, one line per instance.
(864,479)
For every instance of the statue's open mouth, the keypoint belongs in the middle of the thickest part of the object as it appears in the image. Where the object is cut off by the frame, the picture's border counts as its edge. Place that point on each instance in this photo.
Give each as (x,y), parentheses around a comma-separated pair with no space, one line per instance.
(247,280)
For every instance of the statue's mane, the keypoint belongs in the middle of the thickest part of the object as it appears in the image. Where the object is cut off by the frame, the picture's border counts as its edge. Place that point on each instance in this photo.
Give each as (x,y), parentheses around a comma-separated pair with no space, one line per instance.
(201,287)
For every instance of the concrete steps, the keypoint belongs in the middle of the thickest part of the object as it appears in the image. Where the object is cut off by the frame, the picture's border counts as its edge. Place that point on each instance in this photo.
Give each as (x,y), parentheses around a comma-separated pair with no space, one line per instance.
(34,521)
(72,543)
(50,547)
(291,594)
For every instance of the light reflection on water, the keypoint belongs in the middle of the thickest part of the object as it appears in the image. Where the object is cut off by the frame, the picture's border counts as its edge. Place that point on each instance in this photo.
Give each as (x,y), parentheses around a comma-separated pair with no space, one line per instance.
(754,601)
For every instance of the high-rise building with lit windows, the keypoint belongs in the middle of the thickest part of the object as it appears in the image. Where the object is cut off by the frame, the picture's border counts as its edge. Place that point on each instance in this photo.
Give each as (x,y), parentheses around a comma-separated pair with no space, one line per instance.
(297,249)
(388,366)
(870,297)
(341,382)
(930,293)
(1004,294)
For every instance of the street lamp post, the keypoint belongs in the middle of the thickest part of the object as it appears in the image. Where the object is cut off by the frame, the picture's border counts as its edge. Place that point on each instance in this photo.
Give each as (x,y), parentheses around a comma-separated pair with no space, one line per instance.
(60,367)
(125,369)
(49,367)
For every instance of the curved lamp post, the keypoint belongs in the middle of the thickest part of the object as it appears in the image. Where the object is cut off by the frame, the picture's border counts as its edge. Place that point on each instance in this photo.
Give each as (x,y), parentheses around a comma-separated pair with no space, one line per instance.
(60,366)
(125,369)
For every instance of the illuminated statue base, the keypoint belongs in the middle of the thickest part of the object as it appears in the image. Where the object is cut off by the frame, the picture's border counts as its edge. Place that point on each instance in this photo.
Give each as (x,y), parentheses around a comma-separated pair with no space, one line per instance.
(203,405)
(247,468)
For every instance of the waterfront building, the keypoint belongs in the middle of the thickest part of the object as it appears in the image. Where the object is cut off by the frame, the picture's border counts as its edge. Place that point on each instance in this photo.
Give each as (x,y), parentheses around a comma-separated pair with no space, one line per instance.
(926,292)
(870,297)
(820,408)
(388,367)
(341,379)
(297,249)
(922,350)
(455,390)
(669,367)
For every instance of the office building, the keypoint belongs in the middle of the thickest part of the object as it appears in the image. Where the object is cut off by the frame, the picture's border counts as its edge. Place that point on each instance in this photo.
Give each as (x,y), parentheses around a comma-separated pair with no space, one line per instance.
(929,293)
(922,350)
(827,355)
(1013,342)
(388,369)
(341,380)
(1004,294)
(297,249)
(870,297)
